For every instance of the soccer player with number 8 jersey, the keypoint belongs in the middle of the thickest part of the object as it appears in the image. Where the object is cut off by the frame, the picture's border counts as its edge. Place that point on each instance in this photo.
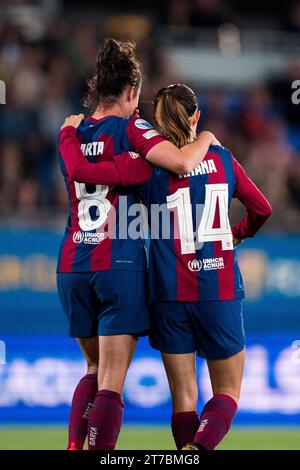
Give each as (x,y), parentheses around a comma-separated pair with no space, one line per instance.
(101,278)
(196,288)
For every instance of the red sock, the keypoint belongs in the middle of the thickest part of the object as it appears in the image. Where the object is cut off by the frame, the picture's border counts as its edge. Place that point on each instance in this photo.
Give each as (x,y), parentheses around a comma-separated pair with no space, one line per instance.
(82,403)
(215,420)
(105,420)
(184,427)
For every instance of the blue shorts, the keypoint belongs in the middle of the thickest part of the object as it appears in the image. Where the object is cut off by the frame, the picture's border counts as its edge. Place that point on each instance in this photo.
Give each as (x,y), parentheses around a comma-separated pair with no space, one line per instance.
(214,329)
(104,303)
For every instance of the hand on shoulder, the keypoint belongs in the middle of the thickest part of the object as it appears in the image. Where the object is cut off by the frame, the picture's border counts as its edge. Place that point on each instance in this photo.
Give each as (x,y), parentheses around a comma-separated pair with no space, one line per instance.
(74,120)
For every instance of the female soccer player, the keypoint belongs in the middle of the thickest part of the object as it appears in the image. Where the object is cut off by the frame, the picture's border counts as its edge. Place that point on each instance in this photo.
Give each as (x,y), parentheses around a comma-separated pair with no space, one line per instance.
(196,287)
(100,276)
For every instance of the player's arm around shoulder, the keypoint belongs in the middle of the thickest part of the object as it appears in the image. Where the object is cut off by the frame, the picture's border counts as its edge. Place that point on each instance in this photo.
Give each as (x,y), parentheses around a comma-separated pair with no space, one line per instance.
(184,160)
(159,151)
(133,169)
(126,169)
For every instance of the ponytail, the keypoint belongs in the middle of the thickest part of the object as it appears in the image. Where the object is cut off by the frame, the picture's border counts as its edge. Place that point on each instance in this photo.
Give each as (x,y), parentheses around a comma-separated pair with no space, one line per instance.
(174,106)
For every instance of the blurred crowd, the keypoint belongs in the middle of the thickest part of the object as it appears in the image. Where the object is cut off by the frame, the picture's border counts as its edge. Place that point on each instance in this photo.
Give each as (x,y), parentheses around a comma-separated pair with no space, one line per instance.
(285,16)
(45,77)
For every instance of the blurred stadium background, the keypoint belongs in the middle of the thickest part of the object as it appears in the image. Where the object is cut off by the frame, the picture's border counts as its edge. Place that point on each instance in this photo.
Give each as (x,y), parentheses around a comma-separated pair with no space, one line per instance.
(242,58)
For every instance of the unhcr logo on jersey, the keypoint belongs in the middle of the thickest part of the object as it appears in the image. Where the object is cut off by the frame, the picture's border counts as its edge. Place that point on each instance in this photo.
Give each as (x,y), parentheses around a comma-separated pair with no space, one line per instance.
(89,238)
(2,353)
(2,92)
(78,237)
(208,264)
(195,265)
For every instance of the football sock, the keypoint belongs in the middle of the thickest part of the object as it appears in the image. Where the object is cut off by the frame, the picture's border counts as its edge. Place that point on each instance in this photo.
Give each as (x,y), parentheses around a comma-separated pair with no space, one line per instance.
(82,403)
(105,420)
(215,421)
(184,427)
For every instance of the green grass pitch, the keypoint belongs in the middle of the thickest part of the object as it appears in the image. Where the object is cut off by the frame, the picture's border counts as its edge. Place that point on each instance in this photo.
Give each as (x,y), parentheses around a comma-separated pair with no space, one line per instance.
(151,438)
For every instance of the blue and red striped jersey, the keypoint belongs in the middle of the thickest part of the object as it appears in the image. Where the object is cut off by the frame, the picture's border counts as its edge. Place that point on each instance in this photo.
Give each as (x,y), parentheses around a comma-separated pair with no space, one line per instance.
(94,239)
(198,261)
(191,257)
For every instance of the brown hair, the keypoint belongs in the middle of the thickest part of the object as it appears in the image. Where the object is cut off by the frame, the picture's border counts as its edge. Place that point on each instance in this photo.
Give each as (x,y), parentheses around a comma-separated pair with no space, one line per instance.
(175,105)
(116,67)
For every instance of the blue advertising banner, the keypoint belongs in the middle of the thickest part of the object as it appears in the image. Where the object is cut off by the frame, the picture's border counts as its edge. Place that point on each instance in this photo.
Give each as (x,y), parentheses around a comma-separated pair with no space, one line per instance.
(41,373)
(271,271)
(270,267)
(29,301)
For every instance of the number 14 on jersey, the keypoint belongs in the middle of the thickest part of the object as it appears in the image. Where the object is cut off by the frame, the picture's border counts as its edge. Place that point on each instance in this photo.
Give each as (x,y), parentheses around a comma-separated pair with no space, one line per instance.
(214,193)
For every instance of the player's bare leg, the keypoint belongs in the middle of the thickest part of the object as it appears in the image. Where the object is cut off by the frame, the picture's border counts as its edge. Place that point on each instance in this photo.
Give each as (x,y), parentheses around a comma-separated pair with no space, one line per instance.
(115,354)
(84,394)
(90,349)
(226,375)
(219,411)
(181,373)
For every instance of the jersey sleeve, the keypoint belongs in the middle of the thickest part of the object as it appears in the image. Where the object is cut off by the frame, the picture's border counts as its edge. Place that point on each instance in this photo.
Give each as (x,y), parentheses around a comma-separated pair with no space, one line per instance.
(126,169)
(257,206)
(133,170)
(142,136)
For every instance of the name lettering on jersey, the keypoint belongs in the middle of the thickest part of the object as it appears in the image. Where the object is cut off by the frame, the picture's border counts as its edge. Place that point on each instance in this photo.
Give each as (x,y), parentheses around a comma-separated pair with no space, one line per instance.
(92,149)
(204,168)
(207,264)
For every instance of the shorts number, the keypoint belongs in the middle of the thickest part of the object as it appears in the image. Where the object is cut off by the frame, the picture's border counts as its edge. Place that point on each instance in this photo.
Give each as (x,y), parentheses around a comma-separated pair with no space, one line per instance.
(87,201)
(214,193)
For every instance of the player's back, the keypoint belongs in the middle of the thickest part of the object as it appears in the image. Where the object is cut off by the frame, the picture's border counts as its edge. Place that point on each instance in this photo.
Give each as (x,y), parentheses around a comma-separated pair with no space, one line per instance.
(192,258)
(93,240)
